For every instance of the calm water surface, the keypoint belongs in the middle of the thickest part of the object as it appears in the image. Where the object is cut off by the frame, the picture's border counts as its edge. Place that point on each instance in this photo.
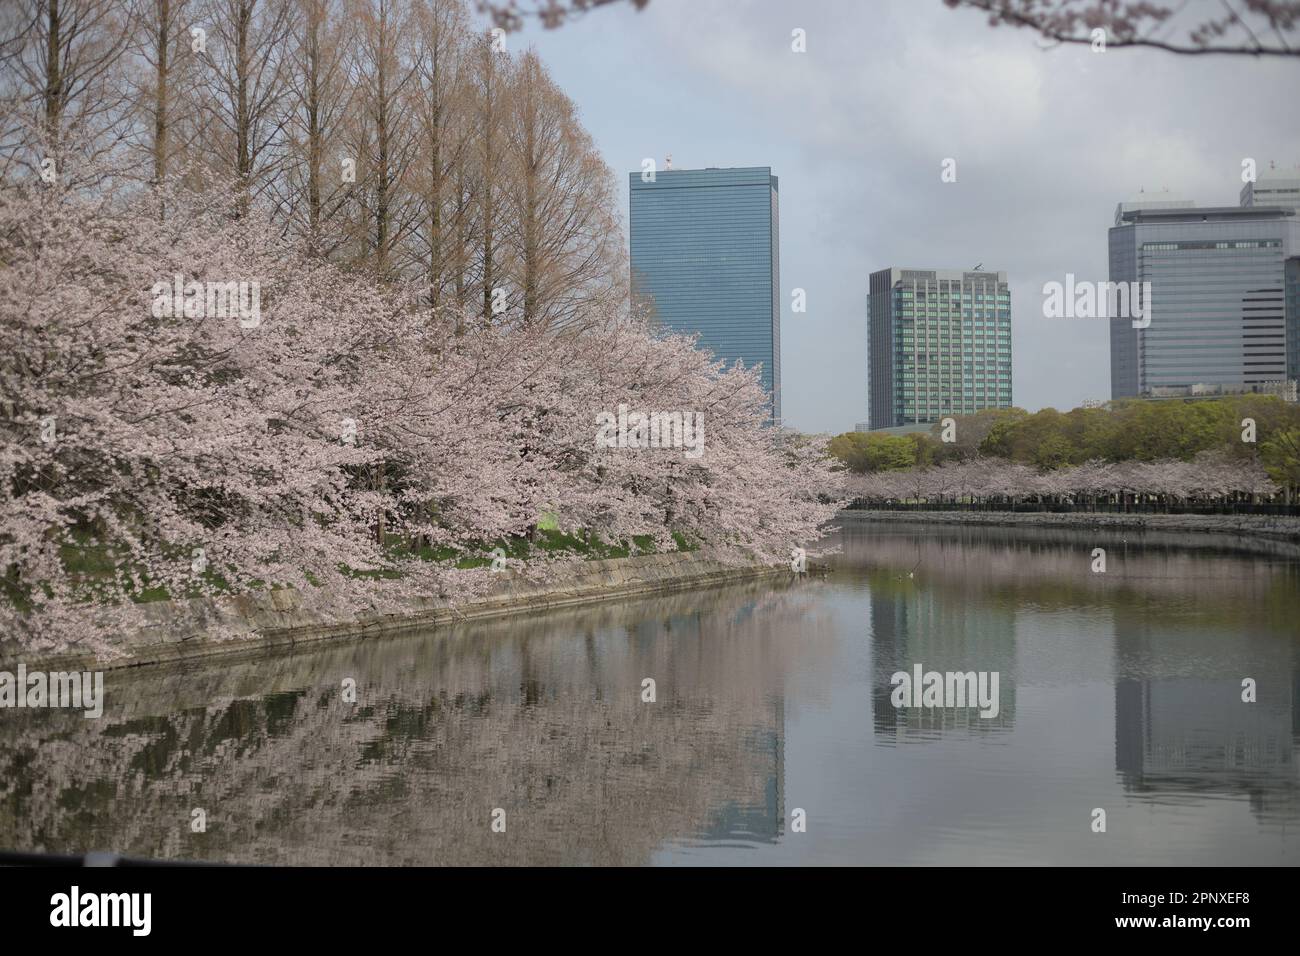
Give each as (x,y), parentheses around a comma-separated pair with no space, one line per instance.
(1119,690)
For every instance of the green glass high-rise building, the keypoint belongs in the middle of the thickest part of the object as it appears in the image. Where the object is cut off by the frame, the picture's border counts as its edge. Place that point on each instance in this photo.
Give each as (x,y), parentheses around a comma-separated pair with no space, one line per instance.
(705,249)
(939,344)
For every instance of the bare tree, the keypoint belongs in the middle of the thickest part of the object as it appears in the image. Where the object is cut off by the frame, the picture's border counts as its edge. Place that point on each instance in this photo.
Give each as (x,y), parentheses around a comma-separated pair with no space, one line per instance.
(246,93)
(462,211)
(443,114)
(317,176)
(163,87)
(562,244)
(490,79)
(61,59)
(384,136)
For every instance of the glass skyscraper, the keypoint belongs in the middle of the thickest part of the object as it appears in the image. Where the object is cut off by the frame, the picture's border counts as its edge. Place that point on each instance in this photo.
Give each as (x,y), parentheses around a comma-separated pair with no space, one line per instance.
(1217,304)
(705,248)
(1292,275)
(939,344)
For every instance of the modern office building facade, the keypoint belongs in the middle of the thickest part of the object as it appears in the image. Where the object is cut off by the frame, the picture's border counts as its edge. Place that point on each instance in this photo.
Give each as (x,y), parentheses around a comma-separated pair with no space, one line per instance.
(1291,278)
(1272,190)
(705,249)
(939,343)
(1217,307)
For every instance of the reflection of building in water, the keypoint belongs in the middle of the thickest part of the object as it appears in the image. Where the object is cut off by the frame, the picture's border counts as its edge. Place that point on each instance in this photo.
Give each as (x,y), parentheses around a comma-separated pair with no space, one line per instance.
(762,822)
(1196,734)
(915,624)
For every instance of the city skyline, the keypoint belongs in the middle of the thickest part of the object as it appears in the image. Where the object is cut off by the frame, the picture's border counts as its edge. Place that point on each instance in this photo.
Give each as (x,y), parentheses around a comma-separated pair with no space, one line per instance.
(1046,141)
(699,293)
(680,266)
(686,295)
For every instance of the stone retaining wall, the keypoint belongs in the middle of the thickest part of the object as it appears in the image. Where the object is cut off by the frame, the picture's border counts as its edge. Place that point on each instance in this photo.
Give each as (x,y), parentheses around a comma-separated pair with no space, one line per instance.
(175,629)
(1265,526)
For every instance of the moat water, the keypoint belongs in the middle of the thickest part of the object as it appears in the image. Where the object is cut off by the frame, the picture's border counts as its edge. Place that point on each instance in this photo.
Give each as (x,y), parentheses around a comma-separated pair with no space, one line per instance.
(772,738)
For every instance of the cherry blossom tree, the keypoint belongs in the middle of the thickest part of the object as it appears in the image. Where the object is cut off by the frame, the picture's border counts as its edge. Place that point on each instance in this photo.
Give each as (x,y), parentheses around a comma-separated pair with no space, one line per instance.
(1211,478)
(202,406)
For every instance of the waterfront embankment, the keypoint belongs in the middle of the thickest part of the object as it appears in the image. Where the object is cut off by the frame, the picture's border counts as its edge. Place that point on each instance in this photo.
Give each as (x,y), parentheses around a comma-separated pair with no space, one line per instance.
(181,630)
(1261,534)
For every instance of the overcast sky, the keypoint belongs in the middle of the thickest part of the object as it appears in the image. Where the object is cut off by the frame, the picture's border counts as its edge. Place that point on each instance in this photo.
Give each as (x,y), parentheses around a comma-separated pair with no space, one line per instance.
(856,128)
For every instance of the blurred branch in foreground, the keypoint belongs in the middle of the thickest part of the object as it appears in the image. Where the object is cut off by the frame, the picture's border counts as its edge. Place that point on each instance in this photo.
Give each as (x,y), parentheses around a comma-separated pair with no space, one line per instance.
(1250,28)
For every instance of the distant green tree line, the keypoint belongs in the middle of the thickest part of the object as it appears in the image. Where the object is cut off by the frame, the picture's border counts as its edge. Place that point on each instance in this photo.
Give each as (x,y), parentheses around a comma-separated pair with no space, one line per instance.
(1126,430)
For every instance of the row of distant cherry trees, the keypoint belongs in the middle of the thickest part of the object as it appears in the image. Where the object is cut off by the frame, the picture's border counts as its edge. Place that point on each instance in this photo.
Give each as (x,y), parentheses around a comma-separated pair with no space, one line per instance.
(1210,477)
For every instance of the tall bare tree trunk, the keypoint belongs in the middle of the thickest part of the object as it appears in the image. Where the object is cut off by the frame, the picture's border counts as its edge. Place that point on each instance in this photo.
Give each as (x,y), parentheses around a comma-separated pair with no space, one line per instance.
(54,89)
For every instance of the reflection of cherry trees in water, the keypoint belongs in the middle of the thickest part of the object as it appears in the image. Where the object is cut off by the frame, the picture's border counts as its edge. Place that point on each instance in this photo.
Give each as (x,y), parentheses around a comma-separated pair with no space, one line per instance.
(542,718)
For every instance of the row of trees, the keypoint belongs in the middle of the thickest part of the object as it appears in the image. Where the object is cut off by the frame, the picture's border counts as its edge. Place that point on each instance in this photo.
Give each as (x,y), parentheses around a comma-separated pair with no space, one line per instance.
(1254,427)
(441,318)
(386,135)
(338,442)
(1210,478)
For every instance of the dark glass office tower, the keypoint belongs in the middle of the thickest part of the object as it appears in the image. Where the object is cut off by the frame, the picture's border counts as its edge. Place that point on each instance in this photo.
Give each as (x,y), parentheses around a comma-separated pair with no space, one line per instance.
(705,249)
(1218,284)
(1292,275)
